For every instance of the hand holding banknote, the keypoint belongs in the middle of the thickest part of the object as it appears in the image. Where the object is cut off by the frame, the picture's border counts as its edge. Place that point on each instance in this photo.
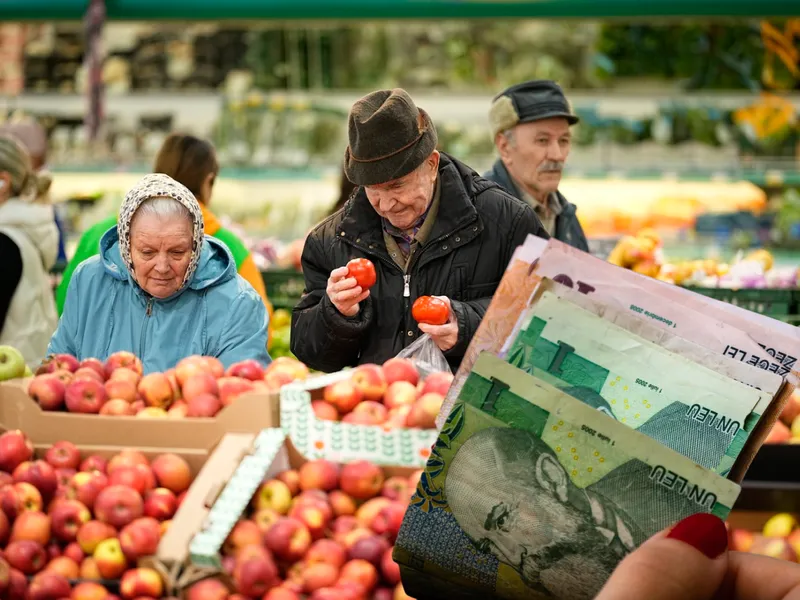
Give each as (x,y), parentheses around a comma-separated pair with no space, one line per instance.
(690,561)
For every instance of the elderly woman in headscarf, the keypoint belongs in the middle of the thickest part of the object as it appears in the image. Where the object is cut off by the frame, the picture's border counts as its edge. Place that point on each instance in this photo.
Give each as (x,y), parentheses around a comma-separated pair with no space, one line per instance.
(161,289)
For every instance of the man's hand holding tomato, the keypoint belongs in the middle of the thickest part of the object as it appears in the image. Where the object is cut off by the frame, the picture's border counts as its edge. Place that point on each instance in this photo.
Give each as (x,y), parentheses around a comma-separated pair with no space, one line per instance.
(428,310)
(348,286)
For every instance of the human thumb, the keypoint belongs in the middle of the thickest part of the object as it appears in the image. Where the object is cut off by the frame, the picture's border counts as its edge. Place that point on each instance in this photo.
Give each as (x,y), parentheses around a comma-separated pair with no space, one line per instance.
(686,562)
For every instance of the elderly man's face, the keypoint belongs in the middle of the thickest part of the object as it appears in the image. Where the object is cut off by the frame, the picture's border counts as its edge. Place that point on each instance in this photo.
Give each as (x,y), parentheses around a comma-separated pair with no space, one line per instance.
(161,252)
(403,201)
(535,153)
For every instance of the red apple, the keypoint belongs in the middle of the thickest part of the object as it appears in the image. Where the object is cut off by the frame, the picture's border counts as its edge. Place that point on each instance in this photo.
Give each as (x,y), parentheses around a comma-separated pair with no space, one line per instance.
(172,472)
(400,393)
(125,374)
(87,373)
(208,589)
(49,586)
(397,417)
(5,529)
(327,551)
(255,573)
(15,449)
(324,411)
(140,538)
(213,366)
(264,518)
(288,539)
(361,572)
(292,479)
(33,526)
(118,505)
(89,590)
(425,410)
(156,390)
(342,526)
(88,485)
(63,455)
(199,384)
(244,533)
(370,548)
(26,556)
(273,494)
(231,388)
(204,405)
(396,488)
(188,367)
(281,593)
(178,410)
(94,462)
(247,369)
(137,477)
(389,520)
(141,582)
(117,407)
(370,380)
(390,569)
(343,395)
(17,586)
(85,396)
(361,479)
(123,359)
(64,566)
(89,568)
(368,512)
(91,534)
(319,575)
(62,362)
(68,516)
(312,516)
(40,475)
(341,503)
(127,458)
(74,552)
(48,391)
(401,369)
(121,389)
(436,383)
(94,364)
(28,497)
(109,559)
(319,474)
(160,504)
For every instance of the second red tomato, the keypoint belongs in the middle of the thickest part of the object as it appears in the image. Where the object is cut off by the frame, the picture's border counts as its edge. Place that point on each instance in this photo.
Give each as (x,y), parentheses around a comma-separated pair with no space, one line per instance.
(363,271)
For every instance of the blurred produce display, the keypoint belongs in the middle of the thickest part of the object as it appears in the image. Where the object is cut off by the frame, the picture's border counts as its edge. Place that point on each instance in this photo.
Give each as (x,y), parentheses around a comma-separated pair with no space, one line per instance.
(780,538)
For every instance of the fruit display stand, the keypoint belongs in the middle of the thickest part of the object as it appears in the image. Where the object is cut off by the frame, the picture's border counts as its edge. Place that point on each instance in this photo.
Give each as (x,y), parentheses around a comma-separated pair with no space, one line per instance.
(343,442)
(222,524)
(249,413)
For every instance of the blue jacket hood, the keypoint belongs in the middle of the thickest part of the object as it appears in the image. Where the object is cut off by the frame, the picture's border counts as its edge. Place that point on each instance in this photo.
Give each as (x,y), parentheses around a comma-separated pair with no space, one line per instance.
(216,262)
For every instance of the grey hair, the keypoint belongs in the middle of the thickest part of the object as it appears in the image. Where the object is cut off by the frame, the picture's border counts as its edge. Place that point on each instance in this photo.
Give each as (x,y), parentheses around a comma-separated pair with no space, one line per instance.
(165,209)
(511,136)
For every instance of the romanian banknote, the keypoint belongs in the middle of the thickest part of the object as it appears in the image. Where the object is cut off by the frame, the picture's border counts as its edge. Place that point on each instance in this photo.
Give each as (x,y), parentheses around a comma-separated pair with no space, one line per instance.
(530,494)
(694,410)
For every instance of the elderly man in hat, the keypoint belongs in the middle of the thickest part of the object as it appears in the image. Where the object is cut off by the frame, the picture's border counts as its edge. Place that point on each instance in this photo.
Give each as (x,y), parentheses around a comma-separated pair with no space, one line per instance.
(429,224)
(531,126)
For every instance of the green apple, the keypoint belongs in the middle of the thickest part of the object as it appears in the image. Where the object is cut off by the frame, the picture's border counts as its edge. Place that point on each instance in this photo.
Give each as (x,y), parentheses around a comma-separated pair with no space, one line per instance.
(28,372)
(12,364)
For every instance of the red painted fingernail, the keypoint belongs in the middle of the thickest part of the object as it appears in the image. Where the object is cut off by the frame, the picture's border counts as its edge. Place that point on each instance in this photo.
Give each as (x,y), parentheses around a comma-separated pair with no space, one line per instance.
(702,531)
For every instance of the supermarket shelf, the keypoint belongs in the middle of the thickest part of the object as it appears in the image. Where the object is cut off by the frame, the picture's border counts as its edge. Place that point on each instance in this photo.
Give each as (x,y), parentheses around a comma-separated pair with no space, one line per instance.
(772,483)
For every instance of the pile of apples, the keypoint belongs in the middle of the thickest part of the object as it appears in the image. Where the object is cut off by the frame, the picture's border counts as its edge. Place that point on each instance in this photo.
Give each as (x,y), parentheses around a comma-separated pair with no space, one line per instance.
(393,395)
(198,386)
(321,532)
(66,517)
(780,538)
(786,429)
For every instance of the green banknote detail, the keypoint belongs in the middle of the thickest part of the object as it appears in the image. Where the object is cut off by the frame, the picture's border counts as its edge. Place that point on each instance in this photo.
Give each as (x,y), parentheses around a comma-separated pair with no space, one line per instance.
(690,408)
(530,493)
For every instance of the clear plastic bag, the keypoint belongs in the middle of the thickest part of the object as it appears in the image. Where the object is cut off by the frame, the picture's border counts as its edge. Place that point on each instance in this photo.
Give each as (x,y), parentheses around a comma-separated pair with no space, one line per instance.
(426,356)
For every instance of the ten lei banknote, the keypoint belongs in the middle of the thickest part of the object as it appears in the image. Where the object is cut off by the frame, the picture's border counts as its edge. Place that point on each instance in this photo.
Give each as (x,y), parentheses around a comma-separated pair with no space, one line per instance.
(530,493)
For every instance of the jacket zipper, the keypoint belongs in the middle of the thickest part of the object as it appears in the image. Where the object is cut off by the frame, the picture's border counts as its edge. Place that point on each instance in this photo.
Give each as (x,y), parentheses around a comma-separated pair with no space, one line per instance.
(147,312)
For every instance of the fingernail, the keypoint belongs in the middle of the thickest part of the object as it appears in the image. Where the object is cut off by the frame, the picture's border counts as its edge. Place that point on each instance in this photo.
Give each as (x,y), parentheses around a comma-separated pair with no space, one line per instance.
(703,532)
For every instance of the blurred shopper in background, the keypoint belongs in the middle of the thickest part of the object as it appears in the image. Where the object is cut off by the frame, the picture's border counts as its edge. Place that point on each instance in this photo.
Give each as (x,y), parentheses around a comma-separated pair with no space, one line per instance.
(531,127)
(193,162)
(28,250)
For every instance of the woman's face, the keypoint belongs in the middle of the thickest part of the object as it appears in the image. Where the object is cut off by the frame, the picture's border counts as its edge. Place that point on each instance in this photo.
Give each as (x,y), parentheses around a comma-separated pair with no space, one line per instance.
(161,252)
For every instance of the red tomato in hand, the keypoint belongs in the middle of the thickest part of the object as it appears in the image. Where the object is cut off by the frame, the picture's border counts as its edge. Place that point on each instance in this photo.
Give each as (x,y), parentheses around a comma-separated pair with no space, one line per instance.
(364,272)
(430,310)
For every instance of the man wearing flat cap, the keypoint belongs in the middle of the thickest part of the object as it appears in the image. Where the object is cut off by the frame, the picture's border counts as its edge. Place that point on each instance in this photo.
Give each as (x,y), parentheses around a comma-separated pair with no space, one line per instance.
(431,226)
(531,127)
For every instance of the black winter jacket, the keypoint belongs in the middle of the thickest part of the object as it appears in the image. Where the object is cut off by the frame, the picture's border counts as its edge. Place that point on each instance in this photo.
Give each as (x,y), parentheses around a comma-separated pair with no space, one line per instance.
(568,228)
(476,231)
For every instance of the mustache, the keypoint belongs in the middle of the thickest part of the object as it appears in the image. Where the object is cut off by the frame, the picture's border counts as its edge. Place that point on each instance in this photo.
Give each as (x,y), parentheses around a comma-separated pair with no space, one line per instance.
(551,165)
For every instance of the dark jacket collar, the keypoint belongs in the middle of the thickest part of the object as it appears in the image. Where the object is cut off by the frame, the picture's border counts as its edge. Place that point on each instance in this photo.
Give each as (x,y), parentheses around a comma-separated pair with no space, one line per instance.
(456,208)
(500,175)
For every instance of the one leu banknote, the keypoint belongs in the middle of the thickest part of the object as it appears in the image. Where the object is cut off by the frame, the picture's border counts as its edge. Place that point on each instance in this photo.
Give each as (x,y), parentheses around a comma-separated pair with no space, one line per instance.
(687,407)
(529,493)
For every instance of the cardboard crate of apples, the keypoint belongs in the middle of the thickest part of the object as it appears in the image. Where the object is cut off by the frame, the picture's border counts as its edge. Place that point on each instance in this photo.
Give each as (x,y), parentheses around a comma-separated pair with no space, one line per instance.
(787,429)
(198,386)
(779,538)
(382,413)
(75,524)
(313,529)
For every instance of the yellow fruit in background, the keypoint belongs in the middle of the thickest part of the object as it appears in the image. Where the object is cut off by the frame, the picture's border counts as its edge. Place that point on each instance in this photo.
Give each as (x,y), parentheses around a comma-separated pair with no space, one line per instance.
(780,525)
(650,234)
(647,267)
(723,269)
(762,256)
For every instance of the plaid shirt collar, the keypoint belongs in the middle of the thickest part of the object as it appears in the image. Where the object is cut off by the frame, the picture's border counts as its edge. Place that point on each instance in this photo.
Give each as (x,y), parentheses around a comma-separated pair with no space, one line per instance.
(403,238)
